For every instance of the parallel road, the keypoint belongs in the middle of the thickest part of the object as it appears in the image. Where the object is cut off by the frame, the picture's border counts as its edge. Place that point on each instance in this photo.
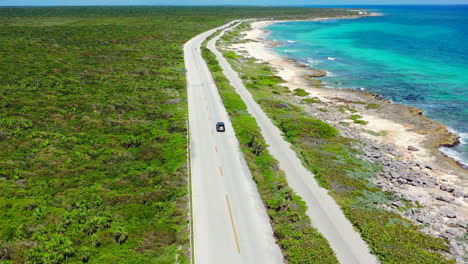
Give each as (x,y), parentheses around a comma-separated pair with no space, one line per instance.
(325,214)
(230,223)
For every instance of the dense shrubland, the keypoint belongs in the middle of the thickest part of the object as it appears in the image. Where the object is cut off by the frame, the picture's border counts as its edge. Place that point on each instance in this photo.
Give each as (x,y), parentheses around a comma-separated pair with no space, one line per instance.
(93,137)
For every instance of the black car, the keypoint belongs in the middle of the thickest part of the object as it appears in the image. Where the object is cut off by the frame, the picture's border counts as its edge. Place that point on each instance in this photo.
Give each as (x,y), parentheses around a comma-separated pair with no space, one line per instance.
(220,127)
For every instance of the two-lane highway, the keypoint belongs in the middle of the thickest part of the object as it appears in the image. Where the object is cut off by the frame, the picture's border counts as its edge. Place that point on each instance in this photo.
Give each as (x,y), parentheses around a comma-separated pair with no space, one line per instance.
(230,223)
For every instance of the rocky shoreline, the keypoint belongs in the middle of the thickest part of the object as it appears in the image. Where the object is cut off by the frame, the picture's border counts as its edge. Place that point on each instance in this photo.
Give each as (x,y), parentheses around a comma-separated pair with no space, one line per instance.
(432,189)
(428,195)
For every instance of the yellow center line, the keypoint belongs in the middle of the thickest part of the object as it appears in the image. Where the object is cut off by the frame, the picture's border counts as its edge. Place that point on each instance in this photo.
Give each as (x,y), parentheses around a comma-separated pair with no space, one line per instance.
(233,225)
(216,148)
(221,171)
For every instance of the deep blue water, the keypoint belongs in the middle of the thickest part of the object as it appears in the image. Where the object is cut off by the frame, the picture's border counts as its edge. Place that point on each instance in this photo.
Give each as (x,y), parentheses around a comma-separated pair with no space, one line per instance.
(415,55)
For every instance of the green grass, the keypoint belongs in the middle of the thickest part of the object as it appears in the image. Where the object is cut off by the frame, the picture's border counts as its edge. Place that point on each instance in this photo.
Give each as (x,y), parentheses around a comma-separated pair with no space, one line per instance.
(299,241)
(300,92)
(344,108)
(311,100)
(372,106)
(333,160)
(356,119)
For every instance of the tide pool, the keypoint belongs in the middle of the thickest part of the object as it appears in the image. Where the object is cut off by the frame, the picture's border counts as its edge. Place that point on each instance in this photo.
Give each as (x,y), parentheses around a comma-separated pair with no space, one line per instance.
(415,55)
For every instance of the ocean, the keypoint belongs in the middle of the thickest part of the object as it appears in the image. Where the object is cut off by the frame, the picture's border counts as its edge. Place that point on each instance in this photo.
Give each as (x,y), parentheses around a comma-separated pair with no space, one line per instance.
(414,55)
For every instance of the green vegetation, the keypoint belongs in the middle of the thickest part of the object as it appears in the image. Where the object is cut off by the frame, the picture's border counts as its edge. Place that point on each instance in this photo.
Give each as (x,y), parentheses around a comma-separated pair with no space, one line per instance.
(300,242)
(332,159)
(356,119)
(254,83)
(93,130)
(300,92)
(344,108)
(311,100)
(372,106)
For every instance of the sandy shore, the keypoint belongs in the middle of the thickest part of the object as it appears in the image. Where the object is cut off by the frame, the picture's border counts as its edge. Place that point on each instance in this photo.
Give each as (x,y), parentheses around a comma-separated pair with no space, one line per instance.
(398,136)
(425,134)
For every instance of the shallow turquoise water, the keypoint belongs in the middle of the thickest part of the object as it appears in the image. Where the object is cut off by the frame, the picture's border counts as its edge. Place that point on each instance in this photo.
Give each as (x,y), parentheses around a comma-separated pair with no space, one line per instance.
(412,55)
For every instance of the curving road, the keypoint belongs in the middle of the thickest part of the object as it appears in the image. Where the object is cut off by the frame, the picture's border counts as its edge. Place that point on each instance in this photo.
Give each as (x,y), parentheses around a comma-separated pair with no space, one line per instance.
(230,223)
(325,214)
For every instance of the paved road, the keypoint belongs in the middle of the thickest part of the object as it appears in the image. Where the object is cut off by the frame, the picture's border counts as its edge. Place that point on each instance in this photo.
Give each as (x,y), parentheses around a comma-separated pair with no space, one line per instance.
(230,223)
(325,214)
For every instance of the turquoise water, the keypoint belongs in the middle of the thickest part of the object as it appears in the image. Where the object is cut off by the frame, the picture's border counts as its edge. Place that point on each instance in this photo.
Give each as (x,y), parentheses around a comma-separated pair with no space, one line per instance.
(412,55)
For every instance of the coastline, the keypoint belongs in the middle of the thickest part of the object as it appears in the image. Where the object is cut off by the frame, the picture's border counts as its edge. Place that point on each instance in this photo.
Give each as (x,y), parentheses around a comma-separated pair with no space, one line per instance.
(398,136)
(432,134)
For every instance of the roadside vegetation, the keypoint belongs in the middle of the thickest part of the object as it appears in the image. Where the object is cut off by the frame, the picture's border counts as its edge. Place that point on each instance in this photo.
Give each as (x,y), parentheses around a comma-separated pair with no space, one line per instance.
(332,159)
(93,135)
(93,130)
(299,241)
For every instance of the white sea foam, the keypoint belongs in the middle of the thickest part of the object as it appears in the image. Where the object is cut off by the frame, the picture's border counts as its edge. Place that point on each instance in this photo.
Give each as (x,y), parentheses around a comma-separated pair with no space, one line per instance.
(463,135)
(331,74)
(453,153)
(463,138)
(331,58)
(291,41)
(452,130)
(313,62)
(450,152)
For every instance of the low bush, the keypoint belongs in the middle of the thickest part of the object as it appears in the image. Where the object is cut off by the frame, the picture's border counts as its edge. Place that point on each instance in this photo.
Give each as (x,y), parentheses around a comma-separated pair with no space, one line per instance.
(356,119)
(372,106)
(311,100)
(300,92)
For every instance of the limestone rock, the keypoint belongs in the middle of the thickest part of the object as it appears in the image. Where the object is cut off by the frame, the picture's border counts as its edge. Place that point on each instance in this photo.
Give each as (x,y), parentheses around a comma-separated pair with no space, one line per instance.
(445,198)
(447,213)
(447,188)
(314,73)
(411,148)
